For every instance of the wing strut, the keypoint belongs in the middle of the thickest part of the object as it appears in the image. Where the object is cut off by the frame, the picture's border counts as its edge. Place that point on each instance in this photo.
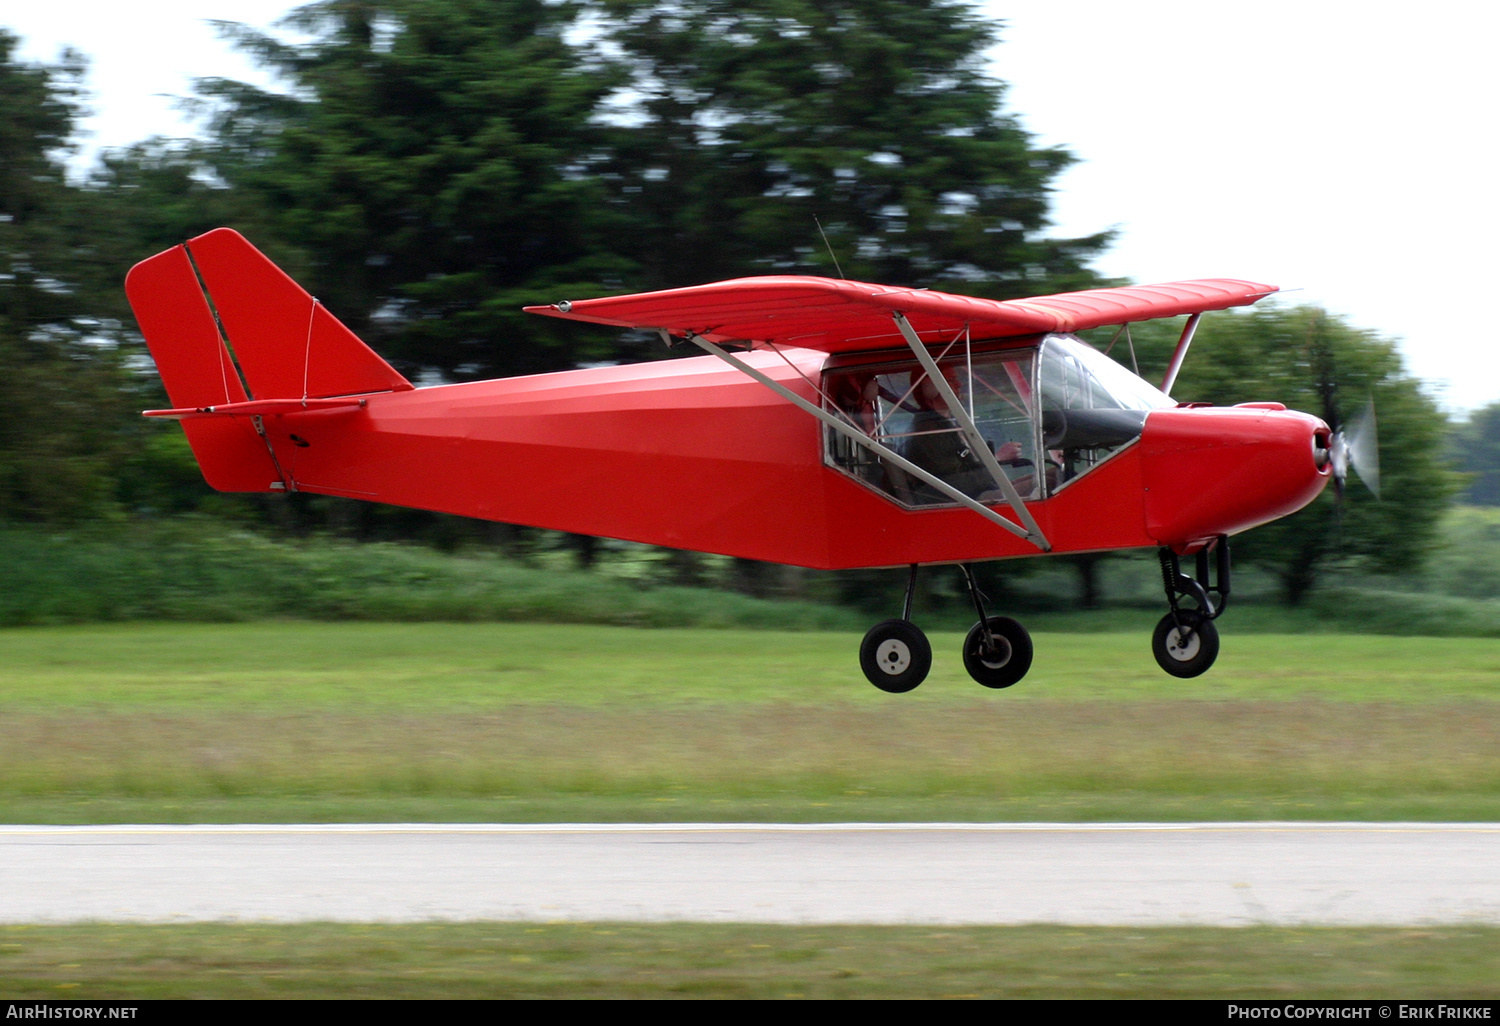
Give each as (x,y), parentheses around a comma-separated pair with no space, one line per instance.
(977,444)
(1180,353)
(858,437)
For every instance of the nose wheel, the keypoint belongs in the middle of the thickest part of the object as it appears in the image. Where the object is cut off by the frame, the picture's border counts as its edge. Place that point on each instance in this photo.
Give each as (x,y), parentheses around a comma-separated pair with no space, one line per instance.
(1186,642)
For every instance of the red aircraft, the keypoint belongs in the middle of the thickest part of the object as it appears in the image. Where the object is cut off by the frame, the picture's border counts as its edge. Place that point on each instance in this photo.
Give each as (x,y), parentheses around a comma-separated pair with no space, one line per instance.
(834,424)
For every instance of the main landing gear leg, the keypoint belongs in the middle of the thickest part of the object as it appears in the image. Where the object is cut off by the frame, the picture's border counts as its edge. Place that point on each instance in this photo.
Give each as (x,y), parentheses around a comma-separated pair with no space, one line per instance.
(1186,642)
(997,652)
(895,654)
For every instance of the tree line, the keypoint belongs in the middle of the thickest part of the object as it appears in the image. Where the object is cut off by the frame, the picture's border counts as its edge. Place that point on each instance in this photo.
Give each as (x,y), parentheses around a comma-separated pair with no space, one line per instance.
(427,167)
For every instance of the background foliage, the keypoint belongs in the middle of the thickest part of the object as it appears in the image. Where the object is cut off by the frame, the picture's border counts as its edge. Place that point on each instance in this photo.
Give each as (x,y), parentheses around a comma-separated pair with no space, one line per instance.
(428,167)
(63,392)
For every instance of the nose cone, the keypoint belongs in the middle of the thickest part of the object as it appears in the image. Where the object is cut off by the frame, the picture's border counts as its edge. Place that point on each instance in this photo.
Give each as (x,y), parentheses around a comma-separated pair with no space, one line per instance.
(1212,471)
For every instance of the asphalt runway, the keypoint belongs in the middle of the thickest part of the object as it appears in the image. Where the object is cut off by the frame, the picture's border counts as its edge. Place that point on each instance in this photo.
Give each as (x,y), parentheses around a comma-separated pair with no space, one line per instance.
(1137,874)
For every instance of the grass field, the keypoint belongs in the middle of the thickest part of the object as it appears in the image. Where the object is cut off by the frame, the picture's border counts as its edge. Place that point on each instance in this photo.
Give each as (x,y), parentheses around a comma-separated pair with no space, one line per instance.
(301,721)
(635,960)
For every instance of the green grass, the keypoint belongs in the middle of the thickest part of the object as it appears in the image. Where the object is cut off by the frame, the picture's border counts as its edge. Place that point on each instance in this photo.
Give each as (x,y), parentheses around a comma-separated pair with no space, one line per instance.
(294,666)
(465,722)
(299,721)
(634,960)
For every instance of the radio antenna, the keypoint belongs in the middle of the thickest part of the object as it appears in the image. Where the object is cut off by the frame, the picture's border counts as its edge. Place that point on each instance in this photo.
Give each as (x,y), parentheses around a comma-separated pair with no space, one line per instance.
(831,254)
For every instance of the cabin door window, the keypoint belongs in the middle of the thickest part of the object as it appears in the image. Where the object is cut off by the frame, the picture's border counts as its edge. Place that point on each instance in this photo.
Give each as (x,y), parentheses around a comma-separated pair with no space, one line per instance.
(1048,413)
(896,404)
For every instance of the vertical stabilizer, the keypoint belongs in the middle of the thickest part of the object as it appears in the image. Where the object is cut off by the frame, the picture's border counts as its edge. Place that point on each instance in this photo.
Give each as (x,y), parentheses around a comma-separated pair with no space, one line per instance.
(225,325)
(288,345)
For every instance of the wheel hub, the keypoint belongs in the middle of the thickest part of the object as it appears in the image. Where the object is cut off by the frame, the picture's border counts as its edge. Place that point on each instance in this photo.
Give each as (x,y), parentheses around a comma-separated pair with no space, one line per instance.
(1183,649)
(995,655)
(893,656)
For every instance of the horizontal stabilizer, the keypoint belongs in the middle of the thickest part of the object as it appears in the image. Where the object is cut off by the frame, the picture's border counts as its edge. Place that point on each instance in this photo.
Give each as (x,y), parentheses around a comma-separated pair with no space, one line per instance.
(258,408)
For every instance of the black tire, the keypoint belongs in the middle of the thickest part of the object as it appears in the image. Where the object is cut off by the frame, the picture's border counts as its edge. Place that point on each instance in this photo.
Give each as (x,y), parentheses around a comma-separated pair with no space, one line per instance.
(895,656)
(1189,652)
(1010,660)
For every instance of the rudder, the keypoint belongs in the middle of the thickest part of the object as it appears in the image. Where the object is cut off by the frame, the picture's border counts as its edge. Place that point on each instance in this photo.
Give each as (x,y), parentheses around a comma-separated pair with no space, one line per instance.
(197,371)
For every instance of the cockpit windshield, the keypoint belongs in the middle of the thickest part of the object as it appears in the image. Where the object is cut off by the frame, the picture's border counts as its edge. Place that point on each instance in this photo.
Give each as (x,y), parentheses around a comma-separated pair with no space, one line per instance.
(1091,406)
(1074,373)
(1047,413)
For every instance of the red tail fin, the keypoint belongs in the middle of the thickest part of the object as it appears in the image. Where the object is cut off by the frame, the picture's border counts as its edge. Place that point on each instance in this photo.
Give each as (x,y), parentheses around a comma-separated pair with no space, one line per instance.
(281,344)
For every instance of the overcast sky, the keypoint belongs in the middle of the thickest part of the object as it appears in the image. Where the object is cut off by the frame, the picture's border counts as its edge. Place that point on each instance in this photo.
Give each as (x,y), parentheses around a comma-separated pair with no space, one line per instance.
(1342,149)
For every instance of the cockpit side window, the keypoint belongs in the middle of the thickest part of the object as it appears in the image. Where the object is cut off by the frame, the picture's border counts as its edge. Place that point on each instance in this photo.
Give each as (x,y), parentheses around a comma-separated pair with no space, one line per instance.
(1048,413)
(897,405)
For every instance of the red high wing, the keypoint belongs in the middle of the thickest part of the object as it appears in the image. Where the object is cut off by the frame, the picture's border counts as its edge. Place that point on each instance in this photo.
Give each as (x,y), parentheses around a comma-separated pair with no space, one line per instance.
(846,316)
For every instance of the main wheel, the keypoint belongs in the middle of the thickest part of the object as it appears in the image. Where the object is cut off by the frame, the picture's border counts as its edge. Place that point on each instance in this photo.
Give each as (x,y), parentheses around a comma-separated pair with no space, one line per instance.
(1007,661)
(1189,650)
(895,656)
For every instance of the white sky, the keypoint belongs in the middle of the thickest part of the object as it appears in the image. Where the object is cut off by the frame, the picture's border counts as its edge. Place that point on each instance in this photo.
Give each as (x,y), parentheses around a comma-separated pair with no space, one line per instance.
(1343,149)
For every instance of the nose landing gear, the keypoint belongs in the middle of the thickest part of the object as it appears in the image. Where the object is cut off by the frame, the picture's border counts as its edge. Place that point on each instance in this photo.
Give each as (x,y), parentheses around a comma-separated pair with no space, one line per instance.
(1185,641)
(896,655)
(1187,645)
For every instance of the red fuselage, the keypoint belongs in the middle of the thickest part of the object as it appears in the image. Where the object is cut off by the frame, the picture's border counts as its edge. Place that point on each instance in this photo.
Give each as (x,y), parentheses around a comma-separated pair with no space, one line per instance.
(276,395)
(691,454)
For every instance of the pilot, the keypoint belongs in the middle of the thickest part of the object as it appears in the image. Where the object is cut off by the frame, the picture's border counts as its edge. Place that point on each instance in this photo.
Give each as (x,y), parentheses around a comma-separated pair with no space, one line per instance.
(1011,454)
(938,447)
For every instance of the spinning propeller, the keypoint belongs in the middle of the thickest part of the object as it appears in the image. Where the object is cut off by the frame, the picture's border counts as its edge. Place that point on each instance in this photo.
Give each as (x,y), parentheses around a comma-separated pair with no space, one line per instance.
(1355,447)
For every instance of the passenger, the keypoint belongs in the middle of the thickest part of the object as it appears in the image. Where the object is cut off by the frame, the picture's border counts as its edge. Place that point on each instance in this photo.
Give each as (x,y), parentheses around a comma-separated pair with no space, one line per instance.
(856,396)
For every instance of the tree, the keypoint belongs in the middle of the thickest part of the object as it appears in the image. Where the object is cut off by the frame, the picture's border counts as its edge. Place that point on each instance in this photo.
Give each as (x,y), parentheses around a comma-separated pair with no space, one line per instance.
(1467,562)
(433,164)
(440,163)
(760,125)
(65,405)
(1476,451)
(1281,355)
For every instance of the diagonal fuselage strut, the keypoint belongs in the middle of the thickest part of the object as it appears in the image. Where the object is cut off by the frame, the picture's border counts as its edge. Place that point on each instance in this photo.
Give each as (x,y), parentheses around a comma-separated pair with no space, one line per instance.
(1030,531)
